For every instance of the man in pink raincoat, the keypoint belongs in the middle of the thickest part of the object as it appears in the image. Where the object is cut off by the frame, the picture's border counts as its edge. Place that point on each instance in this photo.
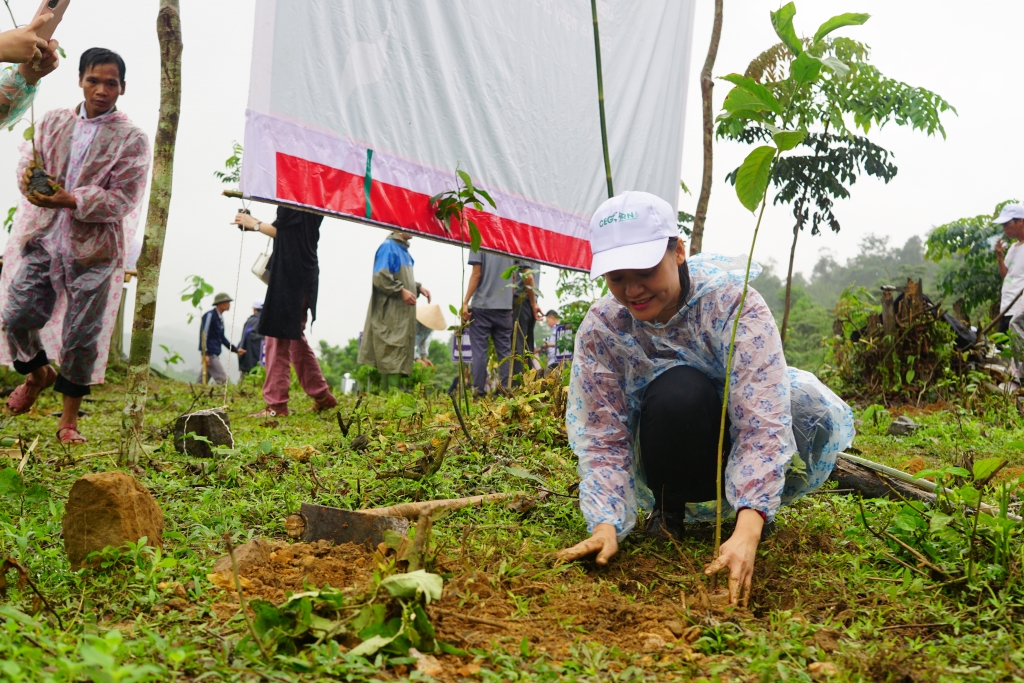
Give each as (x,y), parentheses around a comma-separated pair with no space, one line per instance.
(64,262)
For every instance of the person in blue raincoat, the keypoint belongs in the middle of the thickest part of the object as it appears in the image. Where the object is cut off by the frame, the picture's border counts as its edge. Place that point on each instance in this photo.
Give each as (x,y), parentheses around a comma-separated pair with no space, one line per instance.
(646,388)
(389,334)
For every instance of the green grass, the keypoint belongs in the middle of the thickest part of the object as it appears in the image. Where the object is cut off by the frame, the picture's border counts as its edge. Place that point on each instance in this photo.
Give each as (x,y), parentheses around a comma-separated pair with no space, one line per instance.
(823,590)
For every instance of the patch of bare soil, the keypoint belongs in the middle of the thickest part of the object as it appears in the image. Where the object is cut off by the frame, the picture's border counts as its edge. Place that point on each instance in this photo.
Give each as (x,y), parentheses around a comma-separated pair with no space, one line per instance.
(291,567)
(630,609)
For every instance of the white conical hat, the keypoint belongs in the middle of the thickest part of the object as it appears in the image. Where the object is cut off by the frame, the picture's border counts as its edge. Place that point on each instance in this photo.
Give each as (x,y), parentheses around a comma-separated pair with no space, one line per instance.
(430,315)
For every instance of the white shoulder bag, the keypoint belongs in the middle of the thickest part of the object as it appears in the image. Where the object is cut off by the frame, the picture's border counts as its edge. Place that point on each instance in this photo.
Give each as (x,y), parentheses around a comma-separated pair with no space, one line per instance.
(259,269)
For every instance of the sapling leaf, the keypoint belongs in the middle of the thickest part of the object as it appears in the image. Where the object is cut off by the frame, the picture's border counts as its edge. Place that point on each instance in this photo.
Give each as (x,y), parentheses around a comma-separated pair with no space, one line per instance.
(451,307)
(761,94)
(838,21)
(788,139)
(742,115)
(805,68)
(467,181)
(486,196)
(836,65)
(740,98)
(30,132)
(752,176)
(984,468)
(782,21)
(474,237)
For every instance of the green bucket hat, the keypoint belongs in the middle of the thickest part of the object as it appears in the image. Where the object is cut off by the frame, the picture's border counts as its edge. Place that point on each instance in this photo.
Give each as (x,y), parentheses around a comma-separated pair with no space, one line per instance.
(221,299)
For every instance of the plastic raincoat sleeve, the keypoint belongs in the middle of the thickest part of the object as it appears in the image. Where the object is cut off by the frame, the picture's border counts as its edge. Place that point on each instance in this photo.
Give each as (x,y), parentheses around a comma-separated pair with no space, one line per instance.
(125,187)
(16,96)
(759,408)
(607,490)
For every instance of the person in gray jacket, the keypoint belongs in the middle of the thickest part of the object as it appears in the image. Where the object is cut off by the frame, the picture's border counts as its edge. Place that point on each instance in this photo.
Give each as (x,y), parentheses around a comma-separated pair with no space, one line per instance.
(488,305)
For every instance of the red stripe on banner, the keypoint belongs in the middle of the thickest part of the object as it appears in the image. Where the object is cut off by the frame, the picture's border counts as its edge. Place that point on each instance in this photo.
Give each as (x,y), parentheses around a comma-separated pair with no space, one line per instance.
(337,191)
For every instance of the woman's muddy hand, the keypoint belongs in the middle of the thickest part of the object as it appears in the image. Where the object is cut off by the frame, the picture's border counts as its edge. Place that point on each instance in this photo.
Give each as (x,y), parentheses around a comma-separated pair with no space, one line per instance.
(602,541)
(738,555)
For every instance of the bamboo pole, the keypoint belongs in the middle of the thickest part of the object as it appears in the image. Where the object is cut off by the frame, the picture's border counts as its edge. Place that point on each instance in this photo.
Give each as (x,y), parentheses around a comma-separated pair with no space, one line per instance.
(168,29)
(600,101)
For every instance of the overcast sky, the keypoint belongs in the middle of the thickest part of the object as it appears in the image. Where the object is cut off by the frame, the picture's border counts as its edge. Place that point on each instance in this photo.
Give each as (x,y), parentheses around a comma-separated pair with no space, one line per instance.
(959,51)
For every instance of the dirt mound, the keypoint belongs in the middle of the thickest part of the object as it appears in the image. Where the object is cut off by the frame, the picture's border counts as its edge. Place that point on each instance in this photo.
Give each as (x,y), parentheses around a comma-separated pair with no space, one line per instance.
(293,567)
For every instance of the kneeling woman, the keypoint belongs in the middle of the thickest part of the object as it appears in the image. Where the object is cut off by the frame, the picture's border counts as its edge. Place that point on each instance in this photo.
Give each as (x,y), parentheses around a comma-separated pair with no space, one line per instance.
(645,397)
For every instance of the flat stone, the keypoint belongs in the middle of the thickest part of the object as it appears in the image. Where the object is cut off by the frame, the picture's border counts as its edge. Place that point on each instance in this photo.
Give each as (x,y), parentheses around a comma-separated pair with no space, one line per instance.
(212,424)
(902,426)
(109,509)
(252,554)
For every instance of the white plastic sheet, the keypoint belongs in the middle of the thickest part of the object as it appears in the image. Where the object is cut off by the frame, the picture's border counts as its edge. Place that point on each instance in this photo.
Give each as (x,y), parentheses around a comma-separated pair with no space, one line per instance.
(365,109)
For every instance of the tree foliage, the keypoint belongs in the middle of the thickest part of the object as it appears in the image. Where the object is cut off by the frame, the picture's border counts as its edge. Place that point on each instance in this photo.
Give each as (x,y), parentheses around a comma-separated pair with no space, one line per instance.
(850,95)
(964,248)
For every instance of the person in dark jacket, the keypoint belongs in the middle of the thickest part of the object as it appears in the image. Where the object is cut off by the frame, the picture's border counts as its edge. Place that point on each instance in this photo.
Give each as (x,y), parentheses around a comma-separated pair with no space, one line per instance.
(252,341)
(212,338)
(291,296)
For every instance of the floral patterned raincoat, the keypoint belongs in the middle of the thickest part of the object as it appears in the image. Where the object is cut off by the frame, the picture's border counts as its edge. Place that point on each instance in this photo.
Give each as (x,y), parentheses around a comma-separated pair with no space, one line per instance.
(616,357)
(105,166)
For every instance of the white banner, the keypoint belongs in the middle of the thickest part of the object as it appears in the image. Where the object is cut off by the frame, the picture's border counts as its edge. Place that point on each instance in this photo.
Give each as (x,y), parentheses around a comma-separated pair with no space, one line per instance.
(365,109)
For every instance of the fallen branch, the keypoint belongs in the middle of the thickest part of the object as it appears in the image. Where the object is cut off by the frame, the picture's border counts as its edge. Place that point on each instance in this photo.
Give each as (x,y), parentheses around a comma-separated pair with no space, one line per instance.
(413,510)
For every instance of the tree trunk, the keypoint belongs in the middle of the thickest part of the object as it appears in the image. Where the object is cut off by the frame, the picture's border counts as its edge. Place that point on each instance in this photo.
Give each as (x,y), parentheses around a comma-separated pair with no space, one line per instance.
(168,29)
(707,84)
(789,284)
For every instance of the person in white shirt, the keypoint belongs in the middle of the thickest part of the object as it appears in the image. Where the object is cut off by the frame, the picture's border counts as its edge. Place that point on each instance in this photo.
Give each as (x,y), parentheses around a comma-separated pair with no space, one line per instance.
(1011,269)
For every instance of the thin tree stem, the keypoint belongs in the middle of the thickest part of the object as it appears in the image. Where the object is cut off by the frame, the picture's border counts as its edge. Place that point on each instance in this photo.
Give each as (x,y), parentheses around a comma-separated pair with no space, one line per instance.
(789,285)
(707,84)
(728,374)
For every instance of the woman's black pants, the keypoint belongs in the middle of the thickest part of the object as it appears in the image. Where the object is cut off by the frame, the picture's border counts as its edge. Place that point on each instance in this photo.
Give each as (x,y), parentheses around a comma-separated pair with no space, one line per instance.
(680,417)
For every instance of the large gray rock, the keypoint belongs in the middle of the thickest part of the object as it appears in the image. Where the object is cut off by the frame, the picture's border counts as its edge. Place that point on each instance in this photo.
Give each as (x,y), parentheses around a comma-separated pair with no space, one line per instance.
(213,424)
(109,509)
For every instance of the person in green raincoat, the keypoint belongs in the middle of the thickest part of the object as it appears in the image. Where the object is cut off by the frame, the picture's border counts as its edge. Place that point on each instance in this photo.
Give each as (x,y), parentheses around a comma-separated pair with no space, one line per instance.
(389,334)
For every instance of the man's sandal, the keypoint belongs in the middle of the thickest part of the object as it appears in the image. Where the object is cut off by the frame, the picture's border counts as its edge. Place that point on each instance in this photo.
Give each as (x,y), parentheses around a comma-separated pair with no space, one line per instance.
(69,436)
(24,397)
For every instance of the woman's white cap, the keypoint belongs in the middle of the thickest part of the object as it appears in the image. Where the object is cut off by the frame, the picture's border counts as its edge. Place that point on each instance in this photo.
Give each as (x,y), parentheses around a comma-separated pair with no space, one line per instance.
(630,230)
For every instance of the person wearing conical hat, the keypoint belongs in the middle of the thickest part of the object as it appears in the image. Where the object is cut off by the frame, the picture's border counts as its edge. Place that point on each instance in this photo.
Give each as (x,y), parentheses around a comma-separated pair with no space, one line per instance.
(429,319)
(389,334)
